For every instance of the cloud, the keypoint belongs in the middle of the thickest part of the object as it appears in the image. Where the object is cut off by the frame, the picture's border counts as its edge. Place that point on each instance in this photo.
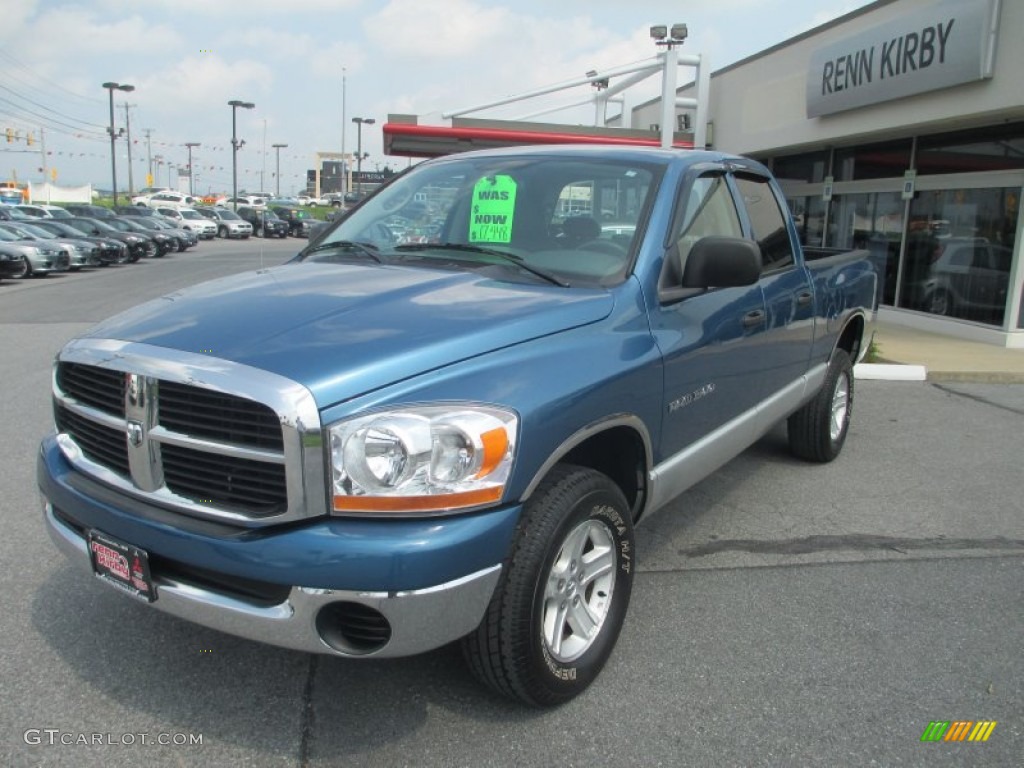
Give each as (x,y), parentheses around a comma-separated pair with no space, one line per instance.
(435,28)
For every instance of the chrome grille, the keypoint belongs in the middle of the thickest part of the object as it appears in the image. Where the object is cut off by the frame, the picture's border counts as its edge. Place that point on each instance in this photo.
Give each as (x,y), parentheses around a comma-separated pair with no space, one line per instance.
(99,387)
(256,487)
(160,425)
(101,444)
(217,416)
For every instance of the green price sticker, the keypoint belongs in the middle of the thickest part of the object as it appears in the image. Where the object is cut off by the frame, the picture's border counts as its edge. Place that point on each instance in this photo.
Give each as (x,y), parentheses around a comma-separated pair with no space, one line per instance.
(494,204)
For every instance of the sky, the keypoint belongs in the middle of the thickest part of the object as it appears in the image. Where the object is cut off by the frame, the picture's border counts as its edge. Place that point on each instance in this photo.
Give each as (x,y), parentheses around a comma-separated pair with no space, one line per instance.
(307,64)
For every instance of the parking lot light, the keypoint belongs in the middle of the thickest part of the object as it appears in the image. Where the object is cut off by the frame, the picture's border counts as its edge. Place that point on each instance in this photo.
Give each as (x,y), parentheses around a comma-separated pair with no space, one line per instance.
(277,175)
(235,104)
(360,122)
(111,87)
(190,144)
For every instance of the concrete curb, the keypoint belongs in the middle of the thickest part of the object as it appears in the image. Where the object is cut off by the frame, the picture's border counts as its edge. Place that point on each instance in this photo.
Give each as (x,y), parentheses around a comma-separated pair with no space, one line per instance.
(889,372)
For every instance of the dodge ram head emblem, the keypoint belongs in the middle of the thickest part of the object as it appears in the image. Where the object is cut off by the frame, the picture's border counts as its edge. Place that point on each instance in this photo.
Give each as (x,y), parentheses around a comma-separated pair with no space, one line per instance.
(134,433)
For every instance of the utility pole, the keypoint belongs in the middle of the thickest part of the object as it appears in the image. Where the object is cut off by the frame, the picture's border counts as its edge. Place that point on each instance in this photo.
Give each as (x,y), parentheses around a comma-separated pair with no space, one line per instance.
(190,145)
(277,175)
(263,153)
(344,128)
(42,151)
(128,133)
(149,157)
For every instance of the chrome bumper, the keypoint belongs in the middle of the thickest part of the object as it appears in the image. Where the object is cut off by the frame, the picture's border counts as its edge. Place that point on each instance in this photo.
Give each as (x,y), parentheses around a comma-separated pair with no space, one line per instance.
(420,620)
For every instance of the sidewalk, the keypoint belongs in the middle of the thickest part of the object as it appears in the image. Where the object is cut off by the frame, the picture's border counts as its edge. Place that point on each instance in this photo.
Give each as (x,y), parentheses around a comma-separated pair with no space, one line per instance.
(946,358)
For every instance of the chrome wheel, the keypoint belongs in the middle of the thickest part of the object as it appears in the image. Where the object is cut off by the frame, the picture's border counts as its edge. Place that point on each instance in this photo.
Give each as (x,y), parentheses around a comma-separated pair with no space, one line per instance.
(840,407)
(579,590)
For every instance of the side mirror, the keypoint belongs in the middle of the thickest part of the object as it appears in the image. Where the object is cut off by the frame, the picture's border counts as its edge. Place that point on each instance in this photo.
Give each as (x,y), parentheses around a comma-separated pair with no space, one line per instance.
(722,262)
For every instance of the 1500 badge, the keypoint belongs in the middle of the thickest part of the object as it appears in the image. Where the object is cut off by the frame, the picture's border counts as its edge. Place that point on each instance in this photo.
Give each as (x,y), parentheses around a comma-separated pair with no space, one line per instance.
(685,400)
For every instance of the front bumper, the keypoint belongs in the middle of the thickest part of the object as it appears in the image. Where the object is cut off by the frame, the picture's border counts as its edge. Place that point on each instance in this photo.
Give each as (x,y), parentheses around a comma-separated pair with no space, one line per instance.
(417,584)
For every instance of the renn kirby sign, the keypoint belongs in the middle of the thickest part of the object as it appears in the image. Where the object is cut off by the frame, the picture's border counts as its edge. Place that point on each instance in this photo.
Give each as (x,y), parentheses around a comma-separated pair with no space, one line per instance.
(943,45)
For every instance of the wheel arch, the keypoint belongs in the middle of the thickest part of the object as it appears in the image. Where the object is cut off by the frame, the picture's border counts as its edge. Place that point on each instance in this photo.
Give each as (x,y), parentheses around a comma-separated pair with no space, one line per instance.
(618,447)
(851,338)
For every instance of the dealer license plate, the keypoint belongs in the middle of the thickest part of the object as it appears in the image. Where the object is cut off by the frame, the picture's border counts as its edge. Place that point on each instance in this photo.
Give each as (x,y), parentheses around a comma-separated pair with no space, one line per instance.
(123,565)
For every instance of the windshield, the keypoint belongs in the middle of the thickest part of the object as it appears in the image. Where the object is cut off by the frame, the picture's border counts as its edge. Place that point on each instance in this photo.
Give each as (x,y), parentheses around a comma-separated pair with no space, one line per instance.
(192,215)
(574,219)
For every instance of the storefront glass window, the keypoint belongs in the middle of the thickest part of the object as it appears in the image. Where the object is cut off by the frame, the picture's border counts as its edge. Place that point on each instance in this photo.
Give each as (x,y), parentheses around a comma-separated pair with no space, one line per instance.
(873,221)
(810,167)
(959,252)
(809,216)
(873,161)
(986,149)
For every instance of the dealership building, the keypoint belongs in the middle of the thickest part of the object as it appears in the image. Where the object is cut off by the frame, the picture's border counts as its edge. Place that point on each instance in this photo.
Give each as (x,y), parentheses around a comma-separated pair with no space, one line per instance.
(898,128)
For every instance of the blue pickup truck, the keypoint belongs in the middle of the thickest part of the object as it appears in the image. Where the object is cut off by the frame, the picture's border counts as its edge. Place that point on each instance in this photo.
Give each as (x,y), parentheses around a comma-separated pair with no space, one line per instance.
(443,418)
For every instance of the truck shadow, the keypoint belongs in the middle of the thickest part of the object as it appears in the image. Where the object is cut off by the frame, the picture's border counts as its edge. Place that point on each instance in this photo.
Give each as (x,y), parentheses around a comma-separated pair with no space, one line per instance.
(272,703)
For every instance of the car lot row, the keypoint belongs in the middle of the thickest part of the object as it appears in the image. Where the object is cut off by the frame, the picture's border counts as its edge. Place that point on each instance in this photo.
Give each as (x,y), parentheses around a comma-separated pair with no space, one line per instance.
(37,240)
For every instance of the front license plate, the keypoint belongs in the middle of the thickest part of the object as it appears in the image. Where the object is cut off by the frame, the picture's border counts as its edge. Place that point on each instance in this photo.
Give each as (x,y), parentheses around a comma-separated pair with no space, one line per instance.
(123,565)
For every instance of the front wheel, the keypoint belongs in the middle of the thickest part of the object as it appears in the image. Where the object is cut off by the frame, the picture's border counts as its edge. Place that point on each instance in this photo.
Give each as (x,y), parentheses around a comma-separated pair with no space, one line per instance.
(818,430)
(222,232)
(557,610)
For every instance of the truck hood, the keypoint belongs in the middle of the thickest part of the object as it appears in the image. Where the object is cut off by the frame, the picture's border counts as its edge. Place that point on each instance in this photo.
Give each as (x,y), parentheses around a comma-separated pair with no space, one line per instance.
(344,330)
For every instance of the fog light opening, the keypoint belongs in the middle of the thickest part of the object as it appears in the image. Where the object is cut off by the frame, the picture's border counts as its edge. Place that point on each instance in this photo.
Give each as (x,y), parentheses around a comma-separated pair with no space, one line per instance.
(353,628)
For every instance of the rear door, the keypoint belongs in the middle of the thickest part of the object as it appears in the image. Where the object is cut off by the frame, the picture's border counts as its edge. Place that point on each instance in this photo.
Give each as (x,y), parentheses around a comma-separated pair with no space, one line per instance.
(788,293)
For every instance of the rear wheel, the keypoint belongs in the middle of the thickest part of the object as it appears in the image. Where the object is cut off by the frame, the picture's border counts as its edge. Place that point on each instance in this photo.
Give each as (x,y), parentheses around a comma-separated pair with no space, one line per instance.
(557,610)
(818,430)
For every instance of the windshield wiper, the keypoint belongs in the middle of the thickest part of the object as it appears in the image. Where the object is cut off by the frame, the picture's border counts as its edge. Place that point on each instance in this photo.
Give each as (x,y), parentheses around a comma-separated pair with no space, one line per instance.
(466,248)
(366,249)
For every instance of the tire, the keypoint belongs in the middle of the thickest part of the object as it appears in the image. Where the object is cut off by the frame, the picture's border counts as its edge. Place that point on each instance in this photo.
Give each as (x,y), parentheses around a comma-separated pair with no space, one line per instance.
(533,644)
(222,232)
(26,269)
(818,430)
(258,231)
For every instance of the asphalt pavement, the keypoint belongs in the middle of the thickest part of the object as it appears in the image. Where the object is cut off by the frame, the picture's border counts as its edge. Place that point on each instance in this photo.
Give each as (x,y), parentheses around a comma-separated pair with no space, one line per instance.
(784,614)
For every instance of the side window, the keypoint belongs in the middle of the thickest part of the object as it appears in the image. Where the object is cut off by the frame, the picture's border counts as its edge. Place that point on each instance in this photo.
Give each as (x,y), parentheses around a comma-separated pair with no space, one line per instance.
(709,210)
(768,222)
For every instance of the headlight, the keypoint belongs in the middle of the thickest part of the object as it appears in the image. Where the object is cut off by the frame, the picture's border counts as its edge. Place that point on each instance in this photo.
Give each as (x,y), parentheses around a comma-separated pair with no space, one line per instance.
(422,459)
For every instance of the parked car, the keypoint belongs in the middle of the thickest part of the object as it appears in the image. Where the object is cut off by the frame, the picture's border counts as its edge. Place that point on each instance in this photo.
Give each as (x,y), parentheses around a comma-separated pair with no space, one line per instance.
(139,246)
(190,219)
(185,238)
(168,200)
(966,277)
(41,211)
(12,262)
(163,243)
(41,257)
(311,199)
(265,223)
(12,213)
(298,218)
(88,210)
(81,252)
(232,202)
(229,224)
(135,210)
(111,251)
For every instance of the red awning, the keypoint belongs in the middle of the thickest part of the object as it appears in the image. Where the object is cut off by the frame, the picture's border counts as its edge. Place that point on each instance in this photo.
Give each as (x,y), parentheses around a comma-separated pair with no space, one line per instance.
(412,140)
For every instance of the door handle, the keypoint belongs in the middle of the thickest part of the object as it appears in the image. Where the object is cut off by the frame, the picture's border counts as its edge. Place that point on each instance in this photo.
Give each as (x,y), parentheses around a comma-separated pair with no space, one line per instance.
(804,298)
(753,318)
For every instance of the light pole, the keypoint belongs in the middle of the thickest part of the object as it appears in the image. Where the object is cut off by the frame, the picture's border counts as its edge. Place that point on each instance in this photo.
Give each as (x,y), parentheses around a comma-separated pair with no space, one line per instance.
(235,104)
(277,174)
(191,144)
(111,87)
(360,122)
